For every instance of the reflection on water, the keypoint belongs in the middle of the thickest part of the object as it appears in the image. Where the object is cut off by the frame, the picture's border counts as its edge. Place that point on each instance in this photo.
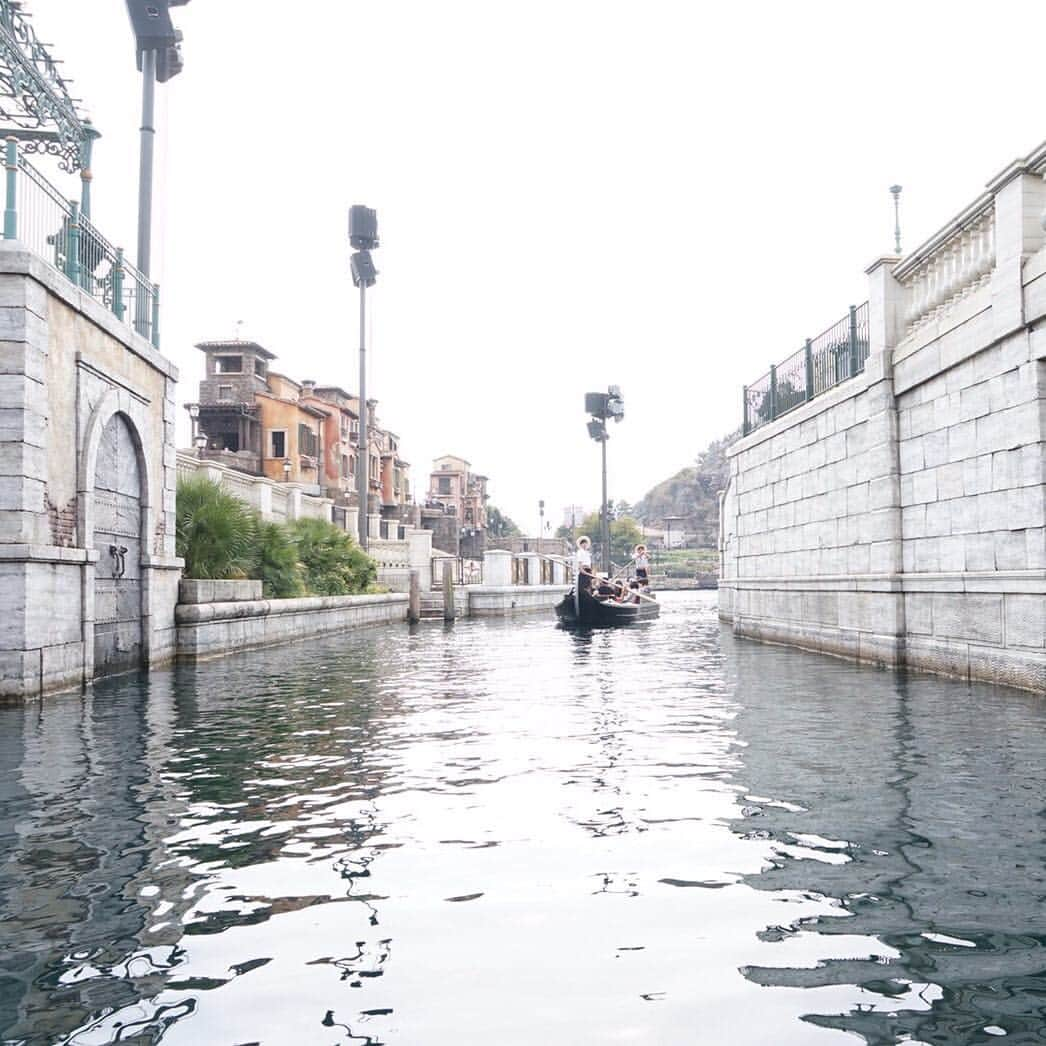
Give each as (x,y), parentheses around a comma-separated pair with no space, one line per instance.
(505,833)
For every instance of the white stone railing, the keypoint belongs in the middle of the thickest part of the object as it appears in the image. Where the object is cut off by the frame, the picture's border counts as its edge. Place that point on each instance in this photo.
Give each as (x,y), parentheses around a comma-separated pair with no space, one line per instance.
(273,501)
(950,266)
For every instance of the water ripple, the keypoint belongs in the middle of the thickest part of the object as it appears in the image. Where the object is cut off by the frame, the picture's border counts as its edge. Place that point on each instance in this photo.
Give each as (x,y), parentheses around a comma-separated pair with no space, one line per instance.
(501,832)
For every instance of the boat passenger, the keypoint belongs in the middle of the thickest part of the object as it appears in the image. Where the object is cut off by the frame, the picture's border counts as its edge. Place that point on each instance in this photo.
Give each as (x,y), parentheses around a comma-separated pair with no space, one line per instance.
(642,562)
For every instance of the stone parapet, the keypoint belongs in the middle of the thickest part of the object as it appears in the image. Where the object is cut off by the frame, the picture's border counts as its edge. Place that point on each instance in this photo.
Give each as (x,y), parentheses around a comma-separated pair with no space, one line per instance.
(191,591)
(207,630)
(503,600)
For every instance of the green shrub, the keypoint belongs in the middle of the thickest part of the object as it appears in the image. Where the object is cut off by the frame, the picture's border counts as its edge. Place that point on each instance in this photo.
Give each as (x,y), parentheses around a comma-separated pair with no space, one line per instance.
(276,562)
(333,564)
(214,532)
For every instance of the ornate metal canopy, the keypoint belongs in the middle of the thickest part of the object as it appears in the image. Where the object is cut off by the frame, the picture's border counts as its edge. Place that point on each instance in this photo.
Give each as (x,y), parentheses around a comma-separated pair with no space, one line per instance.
(35,104)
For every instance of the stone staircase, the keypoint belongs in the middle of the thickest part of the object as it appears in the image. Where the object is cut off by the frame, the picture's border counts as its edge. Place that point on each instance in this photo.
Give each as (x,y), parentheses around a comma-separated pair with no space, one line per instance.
(431,606)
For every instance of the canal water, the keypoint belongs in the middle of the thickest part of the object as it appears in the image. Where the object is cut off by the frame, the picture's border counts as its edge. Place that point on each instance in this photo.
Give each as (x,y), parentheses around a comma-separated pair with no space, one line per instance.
(504,833)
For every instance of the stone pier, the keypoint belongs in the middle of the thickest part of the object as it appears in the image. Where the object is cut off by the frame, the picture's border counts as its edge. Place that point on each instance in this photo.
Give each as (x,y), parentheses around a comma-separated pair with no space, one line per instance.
(899,517)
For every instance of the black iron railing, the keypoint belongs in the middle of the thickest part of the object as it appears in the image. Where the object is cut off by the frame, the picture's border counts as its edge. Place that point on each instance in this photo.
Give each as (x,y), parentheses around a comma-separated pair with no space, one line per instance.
(822,363)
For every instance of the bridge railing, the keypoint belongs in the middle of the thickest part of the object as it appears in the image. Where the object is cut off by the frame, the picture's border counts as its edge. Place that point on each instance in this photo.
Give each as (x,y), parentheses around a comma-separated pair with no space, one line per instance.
(52,227)
(822,363)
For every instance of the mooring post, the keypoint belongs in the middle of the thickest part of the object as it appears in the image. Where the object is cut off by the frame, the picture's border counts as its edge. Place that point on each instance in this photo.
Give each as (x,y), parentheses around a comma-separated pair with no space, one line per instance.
(449,610)
(414,598)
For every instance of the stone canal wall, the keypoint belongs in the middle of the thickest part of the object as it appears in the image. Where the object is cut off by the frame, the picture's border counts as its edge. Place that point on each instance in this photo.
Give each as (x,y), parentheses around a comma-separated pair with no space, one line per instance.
(88,577)
(212,629)
(503,600)
(899,518)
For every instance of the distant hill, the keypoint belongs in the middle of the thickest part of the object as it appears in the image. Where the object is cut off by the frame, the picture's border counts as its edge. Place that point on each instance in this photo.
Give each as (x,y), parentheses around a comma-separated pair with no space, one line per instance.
(693,493)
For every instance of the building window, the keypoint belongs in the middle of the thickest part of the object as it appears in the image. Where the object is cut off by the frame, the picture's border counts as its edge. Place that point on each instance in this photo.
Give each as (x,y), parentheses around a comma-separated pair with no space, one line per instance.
(307,441)
(277,443)
(229,364)
(345,466)
(225,393)
(444,484)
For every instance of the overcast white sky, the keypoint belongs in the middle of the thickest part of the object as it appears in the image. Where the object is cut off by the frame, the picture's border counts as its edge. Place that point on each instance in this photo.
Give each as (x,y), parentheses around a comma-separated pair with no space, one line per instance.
(663,195)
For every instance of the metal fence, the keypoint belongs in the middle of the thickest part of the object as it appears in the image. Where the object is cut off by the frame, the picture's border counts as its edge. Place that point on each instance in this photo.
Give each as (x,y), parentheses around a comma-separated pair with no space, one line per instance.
(464,571)
(53,227)
(823,362)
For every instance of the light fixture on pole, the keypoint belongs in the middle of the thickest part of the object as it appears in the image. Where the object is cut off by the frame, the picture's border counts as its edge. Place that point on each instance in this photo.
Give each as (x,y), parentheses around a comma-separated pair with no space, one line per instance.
(286,470)
(363,237)
(603,405)
(200,442)
(541,523)
(895,192)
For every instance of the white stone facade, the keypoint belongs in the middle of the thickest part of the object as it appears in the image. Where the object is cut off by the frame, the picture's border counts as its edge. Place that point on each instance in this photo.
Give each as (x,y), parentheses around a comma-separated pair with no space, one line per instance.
(900,518)
(68,368)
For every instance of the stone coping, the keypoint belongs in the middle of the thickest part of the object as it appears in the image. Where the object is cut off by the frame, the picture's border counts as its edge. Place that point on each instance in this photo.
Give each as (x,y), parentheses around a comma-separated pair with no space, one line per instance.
(193,590)
(515,590)
(47,554)
(201,613)
(17,260)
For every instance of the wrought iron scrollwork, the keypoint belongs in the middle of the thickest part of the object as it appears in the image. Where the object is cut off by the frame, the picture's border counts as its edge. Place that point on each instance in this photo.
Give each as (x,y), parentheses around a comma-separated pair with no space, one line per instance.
(35,104)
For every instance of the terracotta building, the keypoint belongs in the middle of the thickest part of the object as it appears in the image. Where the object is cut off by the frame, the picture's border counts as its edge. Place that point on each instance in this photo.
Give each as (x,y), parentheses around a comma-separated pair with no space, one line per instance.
(265,423)
(456,507)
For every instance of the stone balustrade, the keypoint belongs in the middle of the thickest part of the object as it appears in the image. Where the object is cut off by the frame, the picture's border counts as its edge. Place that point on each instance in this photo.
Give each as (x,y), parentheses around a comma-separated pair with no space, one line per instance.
(950,266)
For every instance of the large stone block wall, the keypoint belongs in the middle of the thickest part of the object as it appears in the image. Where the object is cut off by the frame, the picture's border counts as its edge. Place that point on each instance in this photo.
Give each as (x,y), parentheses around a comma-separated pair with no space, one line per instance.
(67,367)
(208,630)
(900,518)
(812,516)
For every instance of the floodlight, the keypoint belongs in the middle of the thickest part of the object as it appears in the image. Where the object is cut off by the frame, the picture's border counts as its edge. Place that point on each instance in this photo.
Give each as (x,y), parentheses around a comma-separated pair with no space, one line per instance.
(363,271)
(363,227)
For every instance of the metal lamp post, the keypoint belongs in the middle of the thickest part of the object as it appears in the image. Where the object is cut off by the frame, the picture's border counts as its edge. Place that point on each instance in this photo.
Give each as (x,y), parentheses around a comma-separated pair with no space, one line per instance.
(895,192)
(194,417)
(363,236)
(541,521)
(603,405)
(200,442)
(158,46)
(286,470)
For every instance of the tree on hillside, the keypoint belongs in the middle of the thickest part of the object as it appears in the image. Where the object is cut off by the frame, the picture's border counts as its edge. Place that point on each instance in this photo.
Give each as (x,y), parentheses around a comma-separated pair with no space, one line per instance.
(499,525)
(624,534)
(692,493)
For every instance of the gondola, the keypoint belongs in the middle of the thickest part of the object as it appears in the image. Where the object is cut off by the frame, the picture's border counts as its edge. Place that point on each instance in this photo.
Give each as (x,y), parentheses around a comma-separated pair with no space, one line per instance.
(580,607)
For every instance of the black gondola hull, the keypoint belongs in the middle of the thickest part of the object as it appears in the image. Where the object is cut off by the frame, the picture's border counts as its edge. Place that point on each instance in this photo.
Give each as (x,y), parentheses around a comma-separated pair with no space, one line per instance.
(583,609)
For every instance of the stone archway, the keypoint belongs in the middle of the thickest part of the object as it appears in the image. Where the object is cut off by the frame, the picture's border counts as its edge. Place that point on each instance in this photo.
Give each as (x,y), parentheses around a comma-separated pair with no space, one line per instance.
(117,519)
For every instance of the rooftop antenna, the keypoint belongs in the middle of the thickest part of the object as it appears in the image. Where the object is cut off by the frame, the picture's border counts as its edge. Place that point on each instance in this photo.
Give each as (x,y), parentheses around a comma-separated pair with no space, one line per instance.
(895,191)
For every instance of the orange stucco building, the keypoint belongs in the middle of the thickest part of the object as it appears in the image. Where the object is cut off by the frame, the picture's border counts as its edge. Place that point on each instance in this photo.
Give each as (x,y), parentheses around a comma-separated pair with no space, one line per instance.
(263,422)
